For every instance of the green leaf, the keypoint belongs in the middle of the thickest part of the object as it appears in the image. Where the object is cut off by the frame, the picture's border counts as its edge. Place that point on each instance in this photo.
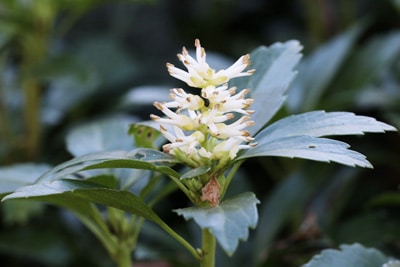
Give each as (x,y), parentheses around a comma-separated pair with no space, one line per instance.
(297,136)
(274,73)
(195,172)
(228,222)
(104,135)
(285,200)
(313,80)
(321,123)
(348,256)
(53,192)
(363,68)
(308,147)
(147,159)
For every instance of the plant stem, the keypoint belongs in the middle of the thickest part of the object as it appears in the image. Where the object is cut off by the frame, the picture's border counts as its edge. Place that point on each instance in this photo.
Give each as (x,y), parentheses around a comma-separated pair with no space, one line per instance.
(124,257)
(208,249)
(180,239)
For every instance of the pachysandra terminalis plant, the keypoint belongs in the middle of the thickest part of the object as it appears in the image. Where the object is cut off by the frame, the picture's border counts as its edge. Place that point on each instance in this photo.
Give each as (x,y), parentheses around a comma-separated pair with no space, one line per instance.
(209,133)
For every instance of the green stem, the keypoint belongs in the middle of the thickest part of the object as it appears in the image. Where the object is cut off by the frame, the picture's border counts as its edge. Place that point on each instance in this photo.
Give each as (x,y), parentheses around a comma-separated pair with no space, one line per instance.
(180,239)
(208,249)
(124,257)
(228,179)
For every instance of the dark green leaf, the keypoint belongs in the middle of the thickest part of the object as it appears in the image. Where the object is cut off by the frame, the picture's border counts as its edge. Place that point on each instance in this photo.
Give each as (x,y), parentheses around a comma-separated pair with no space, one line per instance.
(313,79)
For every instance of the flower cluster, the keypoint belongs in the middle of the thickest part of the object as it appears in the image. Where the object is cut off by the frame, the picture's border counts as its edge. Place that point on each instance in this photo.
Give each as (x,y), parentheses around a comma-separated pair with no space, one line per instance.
(204,127)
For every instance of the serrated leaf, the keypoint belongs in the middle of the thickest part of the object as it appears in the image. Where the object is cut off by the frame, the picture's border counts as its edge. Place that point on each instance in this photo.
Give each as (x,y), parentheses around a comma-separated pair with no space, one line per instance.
(348,256)
(147,159)
(321,123)
(228,222)
(308,147)
(274,73)
(104,135)
(297,136)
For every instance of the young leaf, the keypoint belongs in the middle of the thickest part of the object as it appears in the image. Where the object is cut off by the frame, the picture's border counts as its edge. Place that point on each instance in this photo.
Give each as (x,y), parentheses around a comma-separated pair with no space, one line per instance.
(348,256)
(308,147)
(274,73)
(228,222)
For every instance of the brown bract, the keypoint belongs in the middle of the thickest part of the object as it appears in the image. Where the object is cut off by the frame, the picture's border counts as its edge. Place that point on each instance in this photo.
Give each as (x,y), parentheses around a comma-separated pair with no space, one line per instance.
(211,192)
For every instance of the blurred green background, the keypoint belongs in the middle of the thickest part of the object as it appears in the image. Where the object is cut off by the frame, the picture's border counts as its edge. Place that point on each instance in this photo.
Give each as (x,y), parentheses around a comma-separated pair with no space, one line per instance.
(65,63)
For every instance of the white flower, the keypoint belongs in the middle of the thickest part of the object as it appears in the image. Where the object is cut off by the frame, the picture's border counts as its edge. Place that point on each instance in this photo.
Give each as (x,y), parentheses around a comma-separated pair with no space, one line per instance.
(230,148)
(235,130)
(183,100)
(201,129)
(200,75)
(187,144)
(226,100)
(183,121)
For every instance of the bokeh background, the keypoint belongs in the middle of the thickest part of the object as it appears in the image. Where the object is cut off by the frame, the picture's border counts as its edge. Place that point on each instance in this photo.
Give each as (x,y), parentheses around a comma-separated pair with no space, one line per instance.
(67,63)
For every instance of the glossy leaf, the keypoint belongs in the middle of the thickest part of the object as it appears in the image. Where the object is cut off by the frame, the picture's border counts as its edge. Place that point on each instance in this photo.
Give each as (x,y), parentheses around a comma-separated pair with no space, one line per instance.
(274,73)
(147,159)
(228,222)
(348,256)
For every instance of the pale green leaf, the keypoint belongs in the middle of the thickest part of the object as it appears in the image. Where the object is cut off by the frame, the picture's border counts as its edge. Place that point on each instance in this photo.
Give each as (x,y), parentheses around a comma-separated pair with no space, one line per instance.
(348,256)
(15,176)
(228,222)
(296,136)
(195,172)
(321,123)
(274,73)
(308,147)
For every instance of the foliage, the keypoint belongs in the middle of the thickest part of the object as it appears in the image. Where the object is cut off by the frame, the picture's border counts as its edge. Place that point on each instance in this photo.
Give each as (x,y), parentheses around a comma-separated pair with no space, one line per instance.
(83,73)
